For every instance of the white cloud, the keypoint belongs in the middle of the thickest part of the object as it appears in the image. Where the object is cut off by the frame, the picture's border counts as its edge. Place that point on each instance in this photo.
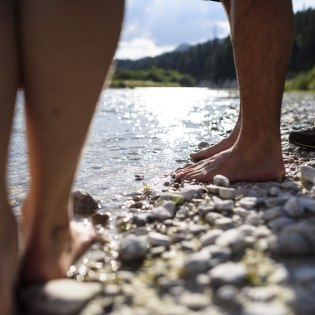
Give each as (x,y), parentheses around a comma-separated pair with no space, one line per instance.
(140,47)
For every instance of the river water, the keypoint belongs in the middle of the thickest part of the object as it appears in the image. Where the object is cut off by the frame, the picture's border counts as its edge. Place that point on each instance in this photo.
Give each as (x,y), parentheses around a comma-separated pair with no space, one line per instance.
(142,131)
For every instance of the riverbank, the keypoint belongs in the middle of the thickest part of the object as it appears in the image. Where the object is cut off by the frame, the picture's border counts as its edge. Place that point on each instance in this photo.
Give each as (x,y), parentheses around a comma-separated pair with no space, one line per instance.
(189,248)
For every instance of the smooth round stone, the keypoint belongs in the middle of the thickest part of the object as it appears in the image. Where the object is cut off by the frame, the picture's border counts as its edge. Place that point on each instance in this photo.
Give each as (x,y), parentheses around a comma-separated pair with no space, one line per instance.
(220,180)
(132,248)
(219,253)
(203,210)
(289,185)
(228,294)
(203,145)
(232,238)
(279,276)
(253,219)
(175,197)
(273,213)
(195,301)
(248,202)
(262,231)
(274,191)
(278,223)
(275,201)
(211,217)
(307,174)
(158,239)
(229,273)
(165,211)
(140,219)
(261,294)
(241,212)
(197,263)
(191,191)
(304,274)
(293,207)
(308,203)
(210,237)
(213,189)
(247,230)
(227,193)
(223,205)
(224,223)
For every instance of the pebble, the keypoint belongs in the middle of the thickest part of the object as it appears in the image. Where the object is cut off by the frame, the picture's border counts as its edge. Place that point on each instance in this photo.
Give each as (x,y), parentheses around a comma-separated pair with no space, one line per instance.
(229,273)
(210,237)
(227,193)
(241,212)
(261,294)
(203,210)
(260,308)
(290,185)
(58,297)
(228,295)
(195,301)
(223,205)
(197,263)
(308,203)
(248,202)
(132,248)
(213,189)
(307,174)
(175,197)
(293,207)
(253,219)
(158,239)
(100,218)
(275,201)
(191,191)
(224,223)
(220,253)
(233,239)
(274,191)
(165,211)
(220,180)
(211,217)
(278,223)
(304,274)
(247,230)
(273,213)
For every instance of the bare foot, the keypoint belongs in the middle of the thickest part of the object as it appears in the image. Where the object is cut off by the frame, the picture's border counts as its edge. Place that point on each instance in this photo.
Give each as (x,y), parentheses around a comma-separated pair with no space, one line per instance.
(223,145)
(8,263)
(237,165)
(49,256)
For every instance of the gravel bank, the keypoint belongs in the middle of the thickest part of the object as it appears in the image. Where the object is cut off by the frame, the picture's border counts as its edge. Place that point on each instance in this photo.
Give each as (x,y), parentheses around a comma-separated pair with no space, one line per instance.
(190,248)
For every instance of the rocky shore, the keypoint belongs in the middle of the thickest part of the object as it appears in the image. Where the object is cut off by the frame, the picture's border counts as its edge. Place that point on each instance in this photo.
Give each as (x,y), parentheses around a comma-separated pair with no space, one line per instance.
(192,248)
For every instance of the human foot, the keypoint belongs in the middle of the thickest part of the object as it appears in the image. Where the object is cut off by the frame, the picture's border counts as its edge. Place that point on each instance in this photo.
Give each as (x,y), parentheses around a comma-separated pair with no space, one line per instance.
(49,255)
(8,263)
(237,165)
(223,145)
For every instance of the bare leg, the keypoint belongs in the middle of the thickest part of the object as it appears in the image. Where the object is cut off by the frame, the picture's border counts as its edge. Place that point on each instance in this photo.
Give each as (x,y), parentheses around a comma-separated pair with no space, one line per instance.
(229,141)
(8,87)
(68,47)
(261,58)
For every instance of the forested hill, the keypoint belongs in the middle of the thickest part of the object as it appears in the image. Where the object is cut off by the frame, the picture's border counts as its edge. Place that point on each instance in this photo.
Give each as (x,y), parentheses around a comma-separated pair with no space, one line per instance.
(213,60)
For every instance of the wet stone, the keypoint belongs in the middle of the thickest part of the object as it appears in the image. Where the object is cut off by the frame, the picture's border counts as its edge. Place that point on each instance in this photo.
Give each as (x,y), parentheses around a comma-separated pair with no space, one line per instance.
(100,218)
(229,273)
(83,203)
(220,180)
(293,207)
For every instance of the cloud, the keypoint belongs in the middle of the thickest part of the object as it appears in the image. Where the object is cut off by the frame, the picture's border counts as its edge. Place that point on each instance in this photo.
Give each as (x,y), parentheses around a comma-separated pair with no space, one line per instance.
(140,47)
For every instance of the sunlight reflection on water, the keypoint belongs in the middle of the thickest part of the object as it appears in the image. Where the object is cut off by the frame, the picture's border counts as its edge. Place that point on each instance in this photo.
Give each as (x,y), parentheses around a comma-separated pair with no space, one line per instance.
(138,131)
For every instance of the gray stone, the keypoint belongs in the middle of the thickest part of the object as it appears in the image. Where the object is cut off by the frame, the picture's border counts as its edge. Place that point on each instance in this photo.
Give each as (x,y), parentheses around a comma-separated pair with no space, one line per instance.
(293,207)
(289,185)
(278,223)
(307,174)
(247,230)
(220,180)
(158,239)
(213,189)
(132,248)
(304,274)
(223,205)
(222,254)
(260,308)
(211,217)
(228,295)
(274,191)
(195,301)
(224,223)
(210,237)
(261,294)
(190,191)
(58,297)
(241,212)
(140,219)
(308,203)
(204,209)
(275,201)
(227,193)
(273,213)
(165,211)
(253,219)
(83,203)
(197,263)
(232,238)
(248,202)
(229,273)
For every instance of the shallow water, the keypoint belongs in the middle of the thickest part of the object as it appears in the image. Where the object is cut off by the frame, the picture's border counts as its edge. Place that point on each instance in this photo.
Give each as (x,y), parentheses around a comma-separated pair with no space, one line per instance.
(148,131)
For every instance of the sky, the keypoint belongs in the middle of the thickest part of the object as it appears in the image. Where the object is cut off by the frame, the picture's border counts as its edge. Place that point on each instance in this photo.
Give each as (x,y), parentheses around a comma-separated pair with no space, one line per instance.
(152,27)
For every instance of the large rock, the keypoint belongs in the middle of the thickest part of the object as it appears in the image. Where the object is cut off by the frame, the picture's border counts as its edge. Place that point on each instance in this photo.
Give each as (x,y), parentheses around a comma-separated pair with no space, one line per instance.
(83,203)
(58,297)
